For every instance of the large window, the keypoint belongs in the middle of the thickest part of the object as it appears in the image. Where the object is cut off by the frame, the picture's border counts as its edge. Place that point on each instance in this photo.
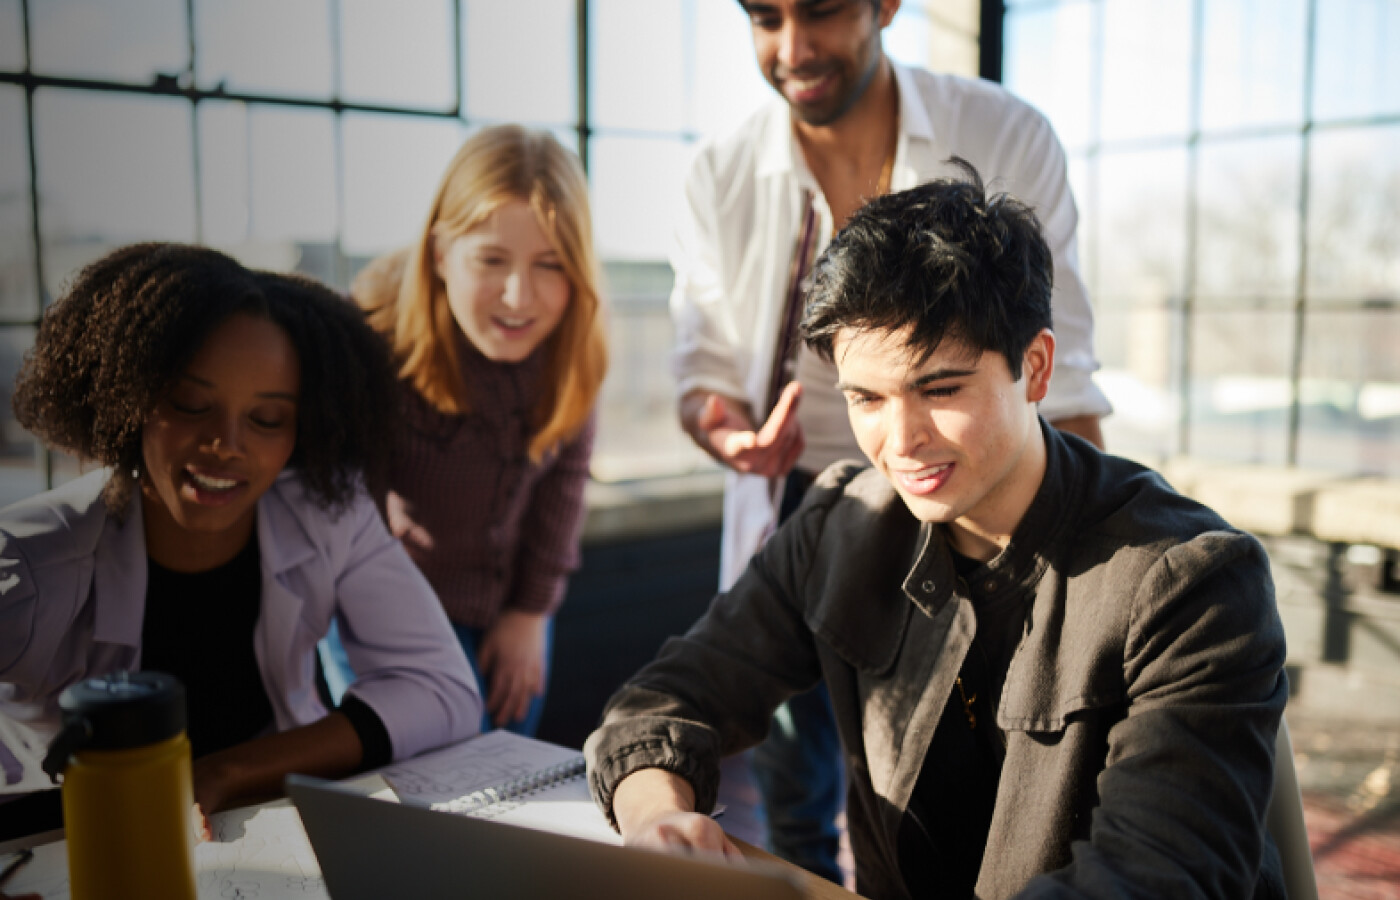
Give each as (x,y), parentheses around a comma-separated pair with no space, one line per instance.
(1237,167)
(309,135)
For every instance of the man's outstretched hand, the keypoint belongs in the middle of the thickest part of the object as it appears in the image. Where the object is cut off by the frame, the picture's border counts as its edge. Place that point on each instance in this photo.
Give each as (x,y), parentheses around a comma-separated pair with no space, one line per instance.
(723,428)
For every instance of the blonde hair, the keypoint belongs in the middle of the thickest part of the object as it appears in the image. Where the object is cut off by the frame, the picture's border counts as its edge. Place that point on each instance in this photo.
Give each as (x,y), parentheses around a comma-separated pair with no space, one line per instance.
(407,302)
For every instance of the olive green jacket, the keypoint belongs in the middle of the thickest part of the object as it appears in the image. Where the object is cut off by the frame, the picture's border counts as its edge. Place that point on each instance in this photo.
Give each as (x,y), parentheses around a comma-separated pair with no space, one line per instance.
(1139,709)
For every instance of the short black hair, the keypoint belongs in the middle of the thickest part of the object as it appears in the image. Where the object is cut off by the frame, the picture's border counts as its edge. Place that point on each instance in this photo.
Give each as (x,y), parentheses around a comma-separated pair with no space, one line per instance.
(942,259)
(110,348)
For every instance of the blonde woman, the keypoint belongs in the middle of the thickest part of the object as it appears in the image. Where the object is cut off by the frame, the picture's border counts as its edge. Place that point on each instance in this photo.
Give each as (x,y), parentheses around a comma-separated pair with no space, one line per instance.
(496,325)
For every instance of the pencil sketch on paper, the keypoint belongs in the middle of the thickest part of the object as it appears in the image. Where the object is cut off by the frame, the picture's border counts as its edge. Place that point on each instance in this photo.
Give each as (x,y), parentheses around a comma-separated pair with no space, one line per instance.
(260,852)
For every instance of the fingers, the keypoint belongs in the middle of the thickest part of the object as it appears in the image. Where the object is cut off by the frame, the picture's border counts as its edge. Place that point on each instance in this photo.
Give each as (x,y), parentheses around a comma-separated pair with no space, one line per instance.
(688,831)
(202,830)
(513,689)
(784,415)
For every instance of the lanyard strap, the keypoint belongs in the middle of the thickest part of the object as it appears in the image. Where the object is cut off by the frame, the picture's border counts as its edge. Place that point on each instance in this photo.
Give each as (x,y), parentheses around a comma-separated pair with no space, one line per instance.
(804,252)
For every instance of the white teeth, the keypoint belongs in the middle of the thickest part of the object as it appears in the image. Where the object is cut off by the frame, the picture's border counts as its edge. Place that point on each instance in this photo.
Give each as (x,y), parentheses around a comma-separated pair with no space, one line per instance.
(513,323)
(210,483)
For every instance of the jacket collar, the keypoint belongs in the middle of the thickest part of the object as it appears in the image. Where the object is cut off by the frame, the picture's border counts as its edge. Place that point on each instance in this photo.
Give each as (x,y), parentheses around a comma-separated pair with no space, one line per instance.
(120,562)
(780,154)
(1036,540)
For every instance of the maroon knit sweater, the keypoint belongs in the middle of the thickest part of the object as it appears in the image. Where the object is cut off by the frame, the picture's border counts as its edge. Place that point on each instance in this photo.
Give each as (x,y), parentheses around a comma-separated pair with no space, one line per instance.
(489,528)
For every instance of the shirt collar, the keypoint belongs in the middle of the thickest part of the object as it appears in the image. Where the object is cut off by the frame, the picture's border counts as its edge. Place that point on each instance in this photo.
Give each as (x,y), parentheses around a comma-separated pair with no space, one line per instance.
(780,154)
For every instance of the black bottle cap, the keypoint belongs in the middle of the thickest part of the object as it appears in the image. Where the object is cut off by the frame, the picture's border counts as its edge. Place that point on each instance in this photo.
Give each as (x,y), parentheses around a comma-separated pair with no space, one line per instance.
(125,709)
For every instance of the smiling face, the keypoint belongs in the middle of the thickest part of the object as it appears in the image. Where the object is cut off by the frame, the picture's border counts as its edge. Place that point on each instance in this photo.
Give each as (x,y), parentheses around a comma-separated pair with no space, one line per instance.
(955,435)
(506,284)
(217,441)
(819,54)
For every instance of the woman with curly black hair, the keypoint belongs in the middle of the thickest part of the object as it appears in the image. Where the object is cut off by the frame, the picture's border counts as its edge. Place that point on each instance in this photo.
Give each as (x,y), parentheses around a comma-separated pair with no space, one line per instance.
(238,413)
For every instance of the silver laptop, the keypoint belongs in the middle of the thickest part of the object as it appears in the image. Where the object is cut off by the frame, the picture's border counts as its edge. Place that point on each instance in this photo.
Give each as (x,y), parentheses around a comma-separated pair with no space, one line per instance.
(373,849)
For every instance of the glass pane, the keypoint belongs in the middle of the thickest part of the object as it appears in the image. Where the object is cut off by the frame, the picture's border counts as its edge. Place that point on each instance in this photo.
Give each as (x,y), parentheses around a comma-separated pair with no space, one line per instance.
(128,41)
(293,175)
(1350,392)
(392,168)
(280,47)
(397,54)
(497,36)
(640,83)
(20,475)
(1140,349)
(1247,218)
(908,39)
(1253,62)
(1357,67)
(637,183)
(113,169)
(728,85)
(19,297)
(1048,62)
(224,151)
(11,36)
(953,51)
(1082,179)
(1146,68)
(1142,204)
(637,432)
(1354,214)
(1240,394)
(269,177)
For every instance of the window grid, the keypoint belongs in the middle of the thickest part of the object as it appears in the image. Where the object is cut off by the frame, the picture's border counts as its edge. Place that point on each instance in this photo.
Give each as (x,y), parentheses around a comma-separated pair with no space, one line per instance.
(1187,305)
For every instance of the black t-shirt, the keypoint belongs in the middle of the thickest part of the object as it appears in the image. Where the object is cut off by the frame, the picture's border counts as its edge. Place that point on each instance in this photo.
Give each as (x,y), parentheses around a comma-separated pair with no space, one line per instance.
(944,833)
(199,628)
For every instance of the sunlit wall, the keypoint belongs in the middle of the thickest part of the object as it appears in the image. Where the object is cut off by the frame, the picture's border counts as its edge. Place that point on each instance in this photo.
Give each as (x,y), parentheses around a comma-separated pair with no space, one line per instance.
(1237,166)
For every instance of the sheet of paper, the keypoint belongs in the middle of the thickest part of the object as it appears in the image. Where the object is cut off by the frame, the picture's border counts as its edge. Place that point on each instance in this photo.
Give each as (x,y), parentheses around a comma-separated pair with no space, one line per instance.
(440,778)
(258,851)
(46,874)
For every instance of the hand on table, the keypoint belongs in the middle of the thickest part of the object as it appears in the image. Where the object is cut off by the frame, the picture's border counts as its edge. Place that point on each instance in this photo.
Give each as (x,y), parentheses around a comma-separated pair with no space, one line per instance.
(723,428)
(512,659)
(654,810)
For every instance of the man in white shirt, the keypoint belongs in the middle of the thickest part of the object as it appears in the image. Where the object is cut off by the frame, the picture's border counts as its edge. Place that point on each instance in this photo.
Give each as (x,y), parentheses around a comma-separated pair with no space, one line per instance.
(760,203)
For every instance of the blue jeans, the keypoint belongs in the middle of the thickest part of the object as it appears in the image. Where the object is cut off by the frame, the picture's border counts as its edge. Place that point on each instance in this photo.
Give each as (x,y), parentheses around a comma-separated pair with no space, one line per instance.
(339,675)
(798,767)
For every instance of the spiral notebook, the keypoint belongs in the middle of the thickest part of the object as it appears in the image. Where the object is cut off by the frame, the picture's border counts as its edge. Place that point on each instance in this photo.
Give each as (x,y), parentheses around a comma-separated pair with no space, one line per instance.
(507,778)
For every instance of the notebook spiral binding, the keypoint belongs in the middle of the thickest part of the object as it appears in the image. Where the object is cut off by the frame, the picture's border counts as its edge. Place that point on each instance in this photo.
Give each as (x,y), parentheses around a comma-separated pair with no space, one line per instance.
(482,803)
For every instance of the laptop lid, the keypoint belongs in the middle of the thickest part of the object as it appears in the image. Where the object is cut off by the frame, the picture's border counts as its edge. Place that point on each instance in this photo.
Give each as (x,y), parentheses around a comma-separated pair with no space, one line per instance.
(373,849)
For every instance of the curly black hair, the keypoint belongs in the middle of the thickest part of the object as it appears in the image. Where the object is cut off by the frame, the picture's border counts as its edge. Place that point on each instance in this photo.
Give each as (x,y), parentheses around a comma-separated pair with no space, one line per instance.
(944,259)
(111,347)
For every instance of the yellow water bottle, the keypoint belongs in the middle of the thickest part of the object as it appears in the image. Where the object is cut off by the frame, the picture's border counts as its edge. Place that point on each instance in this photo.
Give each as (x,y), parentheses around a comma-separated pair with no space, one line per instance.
(127,789)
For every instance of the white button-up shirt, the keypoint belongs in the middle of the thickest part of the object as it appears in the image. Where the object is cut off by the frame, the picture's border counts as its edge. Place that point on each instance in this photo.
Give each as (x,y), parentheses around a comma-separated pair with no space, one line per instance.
(734,246)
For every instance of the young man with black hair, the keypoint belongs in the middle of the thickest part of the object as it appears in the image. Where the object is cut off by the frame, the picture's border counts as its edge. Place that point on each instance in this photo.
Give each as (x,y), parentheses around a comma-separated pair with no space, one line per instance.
(1052,675)
(847,124)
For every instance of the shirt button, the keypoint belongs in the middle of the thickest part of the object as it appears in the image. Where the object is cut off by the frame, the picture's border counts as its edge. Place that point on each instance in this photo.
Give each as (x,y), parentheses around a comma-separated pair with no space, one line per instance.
(990,584)
(927,586)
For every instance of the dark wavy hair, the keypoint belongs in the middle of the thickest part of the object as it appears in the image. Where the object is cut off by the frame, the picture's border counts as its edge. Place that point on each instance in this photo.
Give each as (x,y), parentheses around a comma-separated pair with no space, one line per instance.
(942,259)
(111,347)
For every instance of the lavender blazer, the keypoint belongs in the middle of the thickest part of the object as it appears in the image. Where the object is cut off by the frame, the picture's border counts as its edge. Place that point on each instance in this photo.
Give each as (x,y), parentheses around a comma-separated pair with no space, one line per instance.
(73,594)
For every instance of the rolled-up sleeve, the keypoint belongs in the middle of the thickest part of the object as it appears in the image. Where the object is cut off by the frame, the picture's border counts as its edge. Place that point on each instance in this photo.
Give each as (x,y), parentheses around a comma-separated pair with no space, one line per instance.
(411,670)
(711,692)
